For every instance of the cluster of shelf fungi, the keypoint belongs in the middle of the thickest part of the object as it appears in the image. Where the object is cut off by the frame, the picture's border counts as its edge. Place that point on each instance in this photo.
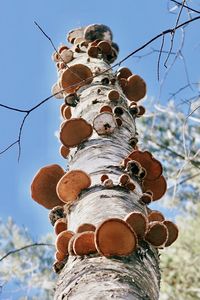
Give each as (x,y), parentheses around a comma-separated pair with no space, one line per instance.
(56,189)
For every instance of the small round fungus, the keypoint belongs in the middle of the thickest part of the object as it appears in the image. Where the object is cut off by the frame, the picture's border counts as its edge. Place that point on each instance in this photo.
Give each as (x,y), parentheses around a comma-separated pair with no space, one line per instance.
(60,225)
(85,227)
(135,88)
(158,187)
(157,234)
(155,215)
(62,241)
(113,95)
(172,232)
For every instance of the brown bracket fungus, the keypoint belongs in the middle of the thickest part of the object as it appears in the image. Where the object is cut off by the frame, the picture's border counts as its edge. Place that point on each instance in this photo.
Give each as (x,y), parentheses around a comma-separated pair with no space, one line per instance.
(66,56)
(104,177)
(104,123)
(115,237)
(56,213)
(56,90)
(124,179)
(146,198)
(75,33)
(133,167)
(157,234)
(118,111)
(64,151)
(84,243)
(71,100)
(67,114)
(133,141)
(131,186)
(93,51)
(172,232)
(70,245)
(152,166)
(43,187)
(123,72)
(138,223)
(155,215)
(75,131)
(60,256)
(113,95)
(75,77)
(60,225)
(106,108)
(135,88)
(85,227)
(97,32)
(108,183)
(71,185)
(158,187)
(62,241)
(105,47)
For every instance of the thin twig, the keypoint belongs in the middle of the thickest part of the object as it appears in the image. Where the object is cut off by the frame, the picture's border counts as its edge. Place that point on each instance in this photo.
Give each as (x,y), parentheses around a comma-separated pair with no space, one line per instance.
(159,57)
(23,248)
(173,34)
(186,6)
(184,180)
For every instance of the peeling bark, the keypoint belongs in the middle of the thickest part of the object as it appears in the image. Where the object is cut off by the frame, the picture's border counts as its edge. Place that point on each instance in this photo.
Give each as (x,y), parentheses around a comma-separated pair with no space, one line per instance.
(93,277)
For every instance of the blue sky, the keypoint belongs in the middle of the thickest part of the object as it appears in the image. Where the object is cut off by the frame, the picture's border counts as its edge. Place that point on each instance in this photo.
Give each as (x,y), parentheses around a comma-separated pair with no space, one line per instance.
(27,74)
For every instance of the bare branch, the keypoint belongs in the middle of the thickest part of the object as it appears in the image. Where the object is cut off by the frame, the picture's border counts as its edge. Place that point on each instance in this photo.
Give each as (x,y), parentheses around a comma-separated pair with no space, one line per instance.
(184,180)
(186,6)
(25,247)
(159,57)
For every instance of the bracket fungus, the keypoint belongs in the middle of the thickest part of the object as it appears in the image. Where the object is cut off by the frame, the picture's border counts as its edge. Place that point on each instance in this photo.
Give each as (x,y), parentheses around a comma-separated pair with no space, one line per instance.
(64,151)
(157,234)
(138,223)
(146,198)
(60,256)
(97,32)
(71,99)
(123,72)
(108,183)
(75,77)
(60,225)
(155,215)
(104,123)
(66,55)
(115,237)
(172,232)
(113,95)
(71,184)
(135,88)
(62,241)
(93,51)
(152,166)
(84,243)
(56,213)
(105,47)
(158,187)
(56,90)
(106,108)
(104,177)
(85,227)
(75,131)
(43,186)
(124,179)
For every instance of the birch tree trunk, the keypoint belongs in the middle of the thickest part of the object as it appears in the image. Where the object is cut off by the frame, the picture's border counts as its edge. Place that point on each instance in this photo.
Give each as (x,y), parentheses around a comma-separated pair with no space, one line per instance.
(136,276)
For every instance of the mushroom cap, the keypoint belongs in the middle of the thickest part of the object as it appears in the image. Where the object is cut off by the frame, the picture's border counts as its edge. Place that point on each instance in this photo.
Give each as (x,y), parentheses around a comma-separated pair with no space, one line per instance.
(123,83)
(142,110)
(71,184)
(146,198)
(104,177)
(158,187)
(106,108)
(108,183)
(85,227)
(66,56)
(113,95)
(67,113)
(97,31)
(62,48)
(135,89)
(123,72)
(104,123)
(138,223)
(152,166)
(43,186)
(60,256)
(84,243)
(64,151)
(60,225)
(155,215)
(75,131)
(93,51)
(62,241)
(105,47)
(131,186)
(57,212)
(62,107)
(70,245)
(74,77)
(172,232)
(157,234)
(56,91)
(124,179)
(75,33)
(115,237)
